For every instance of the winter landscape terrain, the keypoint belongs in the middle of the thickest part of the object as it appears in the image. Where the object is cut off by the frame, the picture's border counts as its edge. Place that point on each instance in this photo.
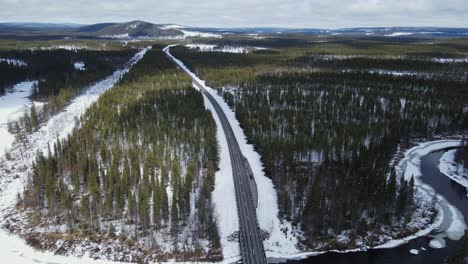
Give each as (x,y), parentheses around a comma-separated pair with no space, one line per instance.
(142,142)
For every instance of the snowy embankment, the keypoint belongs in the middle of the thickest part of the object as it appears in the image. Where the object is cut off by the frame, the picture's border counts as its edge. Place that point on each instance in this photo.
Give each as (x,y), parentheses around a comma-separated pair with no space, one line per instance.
(281,241)
(15,172)
(449,221)
(12,106)
(453,170)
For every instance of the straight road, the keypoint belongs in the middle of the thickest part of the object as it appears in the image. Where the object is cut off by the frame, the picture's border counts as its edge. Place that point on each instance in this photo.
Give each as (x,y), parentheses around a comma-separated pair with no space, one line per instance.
(251,243)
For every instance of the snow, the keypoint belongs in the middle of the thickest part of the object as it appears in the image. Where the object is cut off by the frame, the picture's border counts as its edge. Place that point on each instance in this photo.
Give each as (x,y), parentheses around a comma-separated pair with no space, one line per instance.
(437,243)
(65,47)
(15,172)
(451,169)
(394,73)
(414,251)
(398,34)
(449,221)
(79,65)
(189,33)
(224,195)
(12,106)
(216,48)
(450,60)
(172,27)
(117,36)
(14,62)
(279,243)
(15,251)
(226,49)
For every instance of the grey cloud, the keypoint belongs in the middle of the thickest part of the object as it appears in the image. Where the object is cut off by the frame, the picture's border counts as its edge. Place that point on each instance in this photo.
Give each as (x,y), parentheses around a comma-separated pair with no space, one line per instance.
(299,13)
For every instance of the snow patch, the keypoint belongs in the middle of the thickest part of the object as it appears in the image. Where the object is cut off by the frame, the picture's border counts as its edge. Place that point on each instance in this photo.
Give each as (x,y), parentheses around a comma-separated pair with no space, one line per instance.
(79,66)
(398,34)
(189,33)
(414,251)
(14,62)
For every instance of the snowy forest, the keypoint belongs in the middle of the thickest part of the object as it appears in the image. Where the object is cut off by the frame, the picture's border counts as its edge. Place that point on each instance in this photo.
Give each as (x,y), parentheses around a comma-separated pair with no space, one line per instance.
(139,166)
(327,126)
(62,74)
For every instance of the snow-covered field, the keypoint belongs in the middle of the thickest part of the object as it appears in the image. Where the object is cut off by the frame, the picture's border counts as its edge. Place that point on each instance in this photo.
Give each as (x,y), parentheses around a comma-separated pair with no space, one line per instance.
(452,169)
(282,241)
(216,48)
(398,34)
(12,106)
(189,33)
(226,49)
(15,172)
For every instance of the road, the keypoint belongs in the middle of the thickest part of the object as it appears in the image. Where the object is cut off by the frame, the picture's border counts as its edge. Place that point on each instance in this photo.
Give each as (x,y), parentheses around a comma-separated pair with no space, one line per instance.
(251,243)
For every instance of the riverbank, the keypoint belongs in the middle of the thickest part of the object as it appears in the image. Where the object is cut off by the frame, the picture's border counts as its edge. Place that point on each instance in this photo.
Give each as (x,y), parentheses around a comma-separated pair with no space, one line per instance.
(447,222)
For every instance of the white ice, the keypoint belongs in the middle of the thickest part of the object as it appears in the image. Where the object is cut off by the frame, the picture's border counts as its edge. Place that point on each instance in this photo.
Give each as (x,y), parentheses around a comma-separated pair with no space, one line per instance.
(12,106)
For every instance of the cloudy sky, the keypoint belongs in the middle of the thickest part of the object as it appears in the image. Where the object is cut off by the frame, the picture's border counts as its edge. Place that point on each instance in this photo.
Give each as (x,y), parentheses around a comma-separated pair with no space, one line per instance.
(229,13)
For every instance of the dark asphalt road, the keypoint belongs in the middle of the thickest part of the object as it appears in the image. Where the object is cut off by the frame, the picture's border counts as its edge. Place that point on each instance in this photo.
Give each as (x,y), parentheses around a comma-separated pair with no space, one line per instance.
(251,243)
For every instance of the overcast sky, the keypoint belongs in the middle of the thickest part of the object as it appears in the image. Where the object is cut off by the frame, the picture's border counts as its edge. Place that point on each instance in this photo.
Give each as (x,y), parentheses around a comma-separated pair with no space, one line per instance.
(238,13)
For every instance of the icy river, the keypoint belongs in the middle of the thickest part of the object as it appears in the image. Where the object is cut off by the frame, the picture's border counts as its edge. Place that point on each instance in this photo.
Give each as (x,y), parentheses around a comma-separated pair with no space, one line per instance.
(455,250)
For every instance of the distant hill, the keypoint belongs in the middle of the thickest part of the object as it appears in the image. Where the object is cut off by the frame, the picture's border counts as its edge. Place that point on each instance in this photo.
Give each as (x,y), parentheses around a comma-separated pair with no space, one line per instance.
(136,29)
(142,29)
(128,30)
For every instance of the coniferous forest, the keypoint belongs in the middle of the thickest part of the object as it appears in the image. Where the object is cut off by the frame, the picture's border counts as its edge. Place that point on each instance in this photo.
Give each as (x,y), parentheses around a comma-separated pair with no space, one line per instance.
(59,79)
(140,166)
(327,126)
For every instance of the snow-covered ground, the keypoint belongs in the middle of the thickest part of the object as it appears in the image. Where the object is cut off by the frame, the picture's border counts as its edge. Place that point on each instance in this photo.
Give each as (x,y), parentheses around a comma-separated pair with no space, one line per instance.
(282,241)
(398,34)
(79,65)
(12,106)
(16,171)
(65,47)
(224,195)
(216,48)
(172,26)
(14,62)
(189,33)
(226,49)
(14,250)
(452,169)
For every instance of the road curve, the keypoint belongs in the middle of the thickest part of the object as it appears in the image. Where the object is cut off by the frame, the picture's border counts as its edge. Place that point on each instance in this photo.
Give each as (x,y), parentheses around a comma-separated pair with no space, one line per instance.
(251,243)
